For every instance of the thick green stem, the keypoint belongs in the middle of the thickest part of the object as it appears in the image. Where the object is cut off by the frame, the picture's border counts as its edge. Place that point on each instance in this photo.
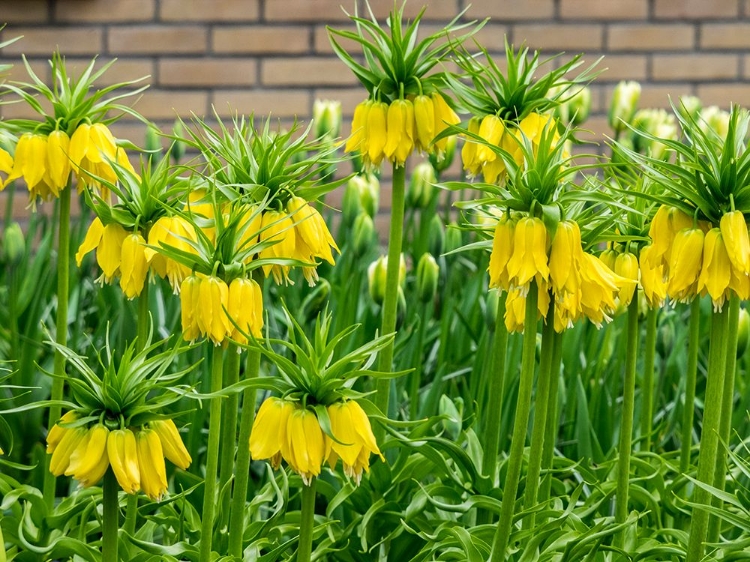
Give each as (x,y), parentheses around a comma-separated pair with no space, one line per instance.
(647,415)
(541,411)
(415,378)
(552,420)
(61,334)
(690,378)
(710,432)
(727,403)
(242,467)
(212,457)
(390,304)
(494,403)
(307,522)
(110,517)
(229,427)
(626,424)
(520,424)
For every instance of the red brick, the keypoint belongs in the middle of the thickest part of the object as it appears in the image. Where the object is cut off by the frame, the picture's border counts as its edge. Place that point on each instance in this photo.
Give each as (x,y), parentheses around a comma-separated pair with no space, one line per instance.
(725,36)
(161,104)
(604,9)
(157,39)
(694,67)
(514,10)
(304,71)
(555,37)
(696,9)
(444,10)
(308,10)
(206,72)
(650,37)
(261,40)
(724,94)
(45,40)
(210,10)
(621,67)
(105,11)
(28,11)
(278,103)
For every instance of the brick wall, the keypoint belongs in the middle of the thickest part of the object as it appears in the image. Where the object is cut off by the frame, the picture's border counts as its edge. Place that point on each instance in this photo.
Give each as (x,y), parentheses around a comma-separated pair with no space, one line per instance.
(273,55)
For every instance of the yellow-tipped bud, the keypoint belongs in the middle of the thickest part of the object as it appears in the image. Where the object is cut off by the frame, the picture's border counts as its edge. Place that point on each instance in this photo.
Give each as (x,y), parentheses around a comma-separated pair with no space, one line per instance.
(171,443)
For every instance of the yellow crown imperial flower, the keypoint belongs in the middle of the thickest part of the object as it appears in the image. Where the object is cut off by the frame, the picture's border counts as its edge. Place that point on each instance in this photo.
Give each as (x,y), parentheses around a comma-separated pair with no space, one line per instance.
(31,163)
(667,222)
(249,229)
(312,237)
(133,265)
(652,277)
(245,308)
(306,446)
(178,233)
(716,272)
(424,118)
(529,258)
(734,232)
(444,117)
(62,451)
(58,161)
(515,306)
(355,439)
(376,135)
(123,458)
(189,305)
(6,167)
(171,443)
(107,241)
(533,125)
(89,461)
(277,228)
(599,287)
(502,248)
(92,148)
(685,264)
(57,431)
(471,163)
(209,311)
(626,266)
(357,138)
(400,132)
(492,131)
(564,255)
(269,430)
(153,472)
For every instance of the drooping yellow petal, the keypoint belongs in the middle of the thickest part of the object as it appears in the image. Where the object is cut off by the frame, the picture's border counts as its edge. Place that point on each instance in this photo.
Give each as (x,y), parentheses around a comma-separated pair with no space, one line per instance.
(133,265)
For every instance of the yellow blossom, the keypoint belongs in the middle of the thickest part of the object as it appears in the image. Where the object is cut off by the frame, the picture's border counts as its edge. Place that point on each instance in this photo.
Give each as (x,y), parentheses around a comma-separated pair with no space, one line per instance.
(89,461)
(737,242)
(685,264)
(502,248)
(306,446)
(424,117)
(400,131)
(133,265)
(245,308)
(313,239)
(626,266)
(58,161)
(153,472)
(716,271)
(529,257)
(209,313)
(653,279)
(359,124)
(355,439)
(471,163)
(189,305)
(376,135)
(123,458)
(491,130)
(278,229)
(171,443)
(444,117)
(270,429)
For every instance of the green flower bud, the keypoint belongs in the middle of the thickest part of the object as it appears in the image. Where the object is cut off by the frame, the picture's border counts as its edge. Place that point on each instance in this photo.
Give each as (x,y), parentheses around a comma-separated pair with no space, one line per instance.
(428,274)
(690,107)
(561,109)
(624,104)
(442,164)
(363,234)
(153,142)
(743,332)
(421,183)
(490,309)
(436,236)
(327,118)
(370,195)
(453,238)
(579,106)
(351,204)
(178,148)
(376,276)
(716,119)
(15,243)
(656,122)
(400,309)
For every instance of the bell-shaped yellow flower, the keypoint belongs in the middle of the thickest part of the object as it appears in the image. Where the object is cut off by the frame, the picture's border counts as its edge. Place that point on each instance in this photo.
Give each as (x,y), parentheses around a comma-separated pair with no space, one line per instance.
(6,167)
(189,304)
(653,279)
(424,118)
(734,232)
(376,135)
(69,442)
(533,125)
(123,458)
(92,149)
(210,315)
(133,265)
(58,160)
(270,429)
(564,254)
(248,231)
(359,125)
(685,264)
(599,287)
(356,441)
(178,233)
(502,249)
(91,240)
(89,461)
(716,272)
(626,266)
(171,443)
(472,165)
(515,306)
(529,257)
(444,117)
(245,308)
(109,251)
(277,228)
(667,222)
(153,472)
(57,431)
(400,132)
(306,446)
(491,130)
(311,229)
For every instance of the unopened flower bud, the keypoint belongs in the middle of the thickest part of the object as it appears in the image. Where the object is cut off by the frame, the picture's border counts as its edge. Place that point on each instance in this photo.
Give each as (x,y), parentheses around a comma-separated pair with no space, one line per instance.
(428,273)
(440,164)
(490,309)
(453,238)
(743,332)
(363,232)
(376,276)
(351,204)
(370,195)
(421,188)
(327,118)
(714,118)
(624,104)
(178,147)
(153,143)
(436,236)
(690,107)
(579,106)
(15,243)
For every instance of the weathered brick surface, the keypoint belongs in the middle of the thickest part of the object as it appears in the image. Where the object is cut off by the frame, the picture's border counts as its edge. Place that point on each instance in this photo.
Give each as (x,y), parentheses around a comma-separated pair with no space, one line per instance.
(698,67)
(104,11)
(210,10)
(157,40)
(651,37)
(191,72)
(604,9)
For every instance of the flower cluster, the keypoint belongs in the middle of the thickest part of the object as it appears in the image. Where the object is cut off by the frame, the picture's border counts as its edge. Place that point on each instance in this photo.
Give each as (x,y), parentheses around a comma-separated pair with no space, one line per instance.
(481,158)
(687,258)
(287,430)
(580,283)
(135,454)
(393,131)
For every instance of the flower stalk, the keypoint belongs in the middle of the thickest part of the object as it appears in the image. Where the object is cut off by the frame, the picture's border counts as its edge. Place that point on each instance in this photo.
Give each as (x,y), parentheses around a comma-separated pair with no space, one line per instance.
(61,332)
(647,417)
(548,451)
(307,522)
(521,422)
(212,457)
(110,517)
(229,424)
(692,374)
